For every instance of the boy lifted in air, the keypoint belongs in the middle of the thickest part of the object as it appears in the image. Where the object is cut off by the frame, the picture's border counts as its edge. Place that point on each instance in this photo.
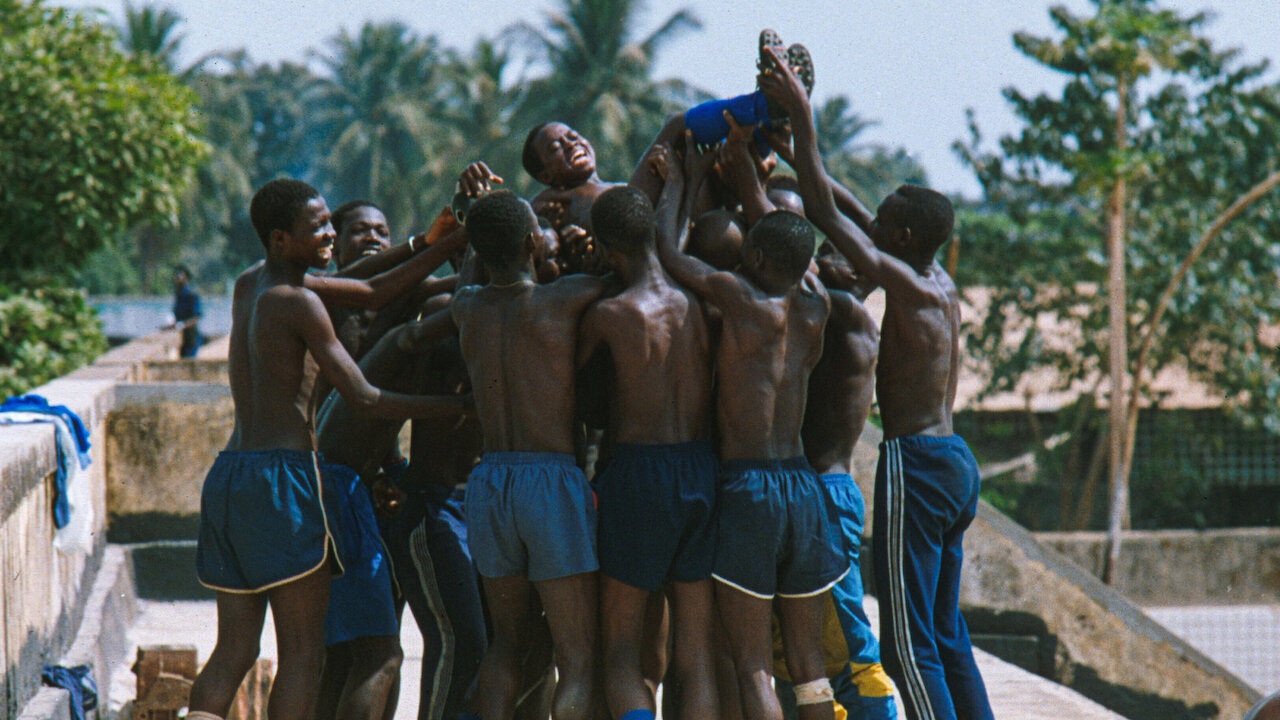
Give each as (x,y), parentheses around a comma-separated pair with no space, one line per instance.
(927,480)
(265,526)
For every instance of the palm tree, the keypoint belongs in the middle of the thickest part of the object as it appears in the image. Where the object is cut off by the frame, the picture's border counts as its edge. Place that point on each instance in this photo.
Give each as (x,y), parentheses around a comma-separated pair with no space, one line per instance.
(150,31)
(599,80)
(373,113)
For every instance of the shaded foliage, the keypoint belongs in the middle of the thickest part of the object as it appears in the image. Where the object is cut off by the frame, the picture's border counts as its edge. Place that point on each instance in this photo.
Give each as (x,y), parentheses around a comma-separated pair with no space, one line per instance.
(1199,134)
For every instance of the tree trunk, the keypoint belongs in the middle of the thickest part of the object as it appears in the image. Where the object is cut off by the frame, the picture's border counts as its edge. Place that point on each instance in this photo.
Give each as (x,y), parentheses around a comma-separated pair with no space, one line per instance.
(1117,344)
(1151,326)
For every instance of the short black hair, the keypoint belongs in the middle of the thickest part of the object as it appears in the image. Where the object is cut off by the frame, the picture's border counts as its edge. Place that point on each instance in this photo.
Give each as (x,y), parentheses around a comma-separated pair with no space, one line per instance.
(497,225)
(184,270)
(622,220)
(929,216)
(529,157)
(786,240)
(275,206)
(343,214)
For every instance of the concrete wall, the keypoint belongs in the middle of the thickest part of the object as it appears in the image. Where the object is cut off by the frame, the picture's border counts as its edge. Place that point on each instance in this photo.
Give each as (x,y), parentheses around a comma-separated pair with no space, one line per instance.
(1184,567)
(44,593)
(1075,630)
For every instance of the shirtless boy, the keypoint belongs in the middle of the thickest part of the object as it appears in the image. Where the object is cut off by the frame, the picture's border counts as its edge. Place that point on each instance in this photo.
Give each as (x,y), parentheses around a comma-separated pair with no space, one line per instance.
(840,390)
(774,531)
(657,493)
(530,512)
(927,480)
(265,534)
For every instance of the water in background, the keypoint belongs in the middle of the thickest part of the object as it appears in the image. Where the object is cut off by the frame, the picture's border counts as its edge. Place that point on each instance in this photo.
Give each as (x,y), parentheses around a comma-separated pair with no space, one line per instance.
(135,316)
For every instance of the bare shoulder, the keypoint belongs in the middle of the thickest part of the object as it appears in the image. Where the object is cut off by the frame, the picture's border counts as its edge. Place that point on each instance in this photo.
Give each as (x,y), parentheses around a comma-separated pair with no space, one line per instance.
(577,287)
(849,314)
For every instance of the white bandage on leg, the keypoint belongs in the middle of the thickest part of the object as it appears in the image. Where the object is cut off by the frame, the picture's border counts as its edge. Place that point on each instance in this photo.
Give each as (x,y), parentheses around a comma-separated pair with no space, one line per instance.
(201,715)
(814,692)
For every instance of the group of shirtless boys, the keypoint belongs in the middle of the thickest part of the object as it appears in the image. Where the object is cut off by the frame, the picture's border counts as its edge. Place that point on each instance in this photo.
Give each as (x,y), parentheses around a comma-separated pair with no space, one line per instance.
(675,340)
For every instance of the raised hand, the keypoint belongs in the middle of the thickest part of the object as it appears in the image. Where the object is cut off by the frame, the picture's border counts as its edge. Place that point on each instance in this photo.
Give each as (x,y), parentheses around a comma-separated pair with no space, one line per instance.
(698,161)
(477,179)
(661,161)
(780,83)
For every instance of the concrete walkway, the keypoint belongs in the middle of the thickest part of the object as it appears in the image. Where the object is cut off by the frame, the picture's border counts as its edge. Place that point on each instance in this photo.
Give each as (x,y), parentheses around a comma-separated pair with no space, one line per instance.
(1015,693)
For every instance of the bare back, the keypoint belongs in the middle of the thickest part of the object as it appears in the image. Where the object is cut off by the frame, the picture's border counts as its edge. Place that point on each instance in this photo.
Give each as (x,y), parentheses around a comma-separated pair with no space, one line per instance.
(519,344)
(657,334)
(919,356)
(841,385)
(768,348)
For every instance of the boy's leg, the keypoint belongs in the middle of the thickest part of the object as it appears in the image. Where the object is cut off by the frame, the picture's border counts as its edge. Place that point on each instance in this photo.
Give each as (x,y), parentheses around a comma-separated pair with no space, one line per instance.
(624,608)
(906,549)
(298,608)
(571,606)
(968,691)
(240,619)
(439,582)
(745,619)
(800,619)
(333,680)
(692,610)
(498,682)
(374,669)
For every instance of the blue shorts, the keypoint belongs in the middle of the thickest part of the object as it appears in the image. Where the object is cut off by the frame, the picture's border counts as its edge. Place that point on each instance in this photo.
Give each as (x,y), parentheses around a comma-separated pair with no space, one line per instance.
(656,514)
(777,534)
(265,520)
(530,514)
(361,602)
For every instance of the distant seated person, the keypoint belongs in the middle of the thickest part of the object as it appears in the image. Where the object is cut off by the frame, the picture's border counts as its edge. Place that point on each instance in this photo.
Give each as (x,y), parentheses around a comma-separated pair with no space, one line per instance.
(186,312)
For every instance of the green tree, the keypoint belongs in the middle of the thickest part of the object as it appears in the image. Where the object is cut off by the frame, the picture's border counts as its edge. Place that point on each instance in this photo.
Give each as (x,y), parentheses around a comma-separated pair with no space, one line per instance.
(1108,185)
(152,31)
(375,118)
(599,78)
(92,141)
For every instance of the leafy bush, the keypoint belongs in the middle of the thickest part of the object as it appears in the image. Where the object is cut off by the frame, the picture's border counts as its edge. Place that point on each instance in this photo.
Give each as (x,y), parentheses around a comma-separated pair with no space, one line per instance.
(48,332)
(92,141)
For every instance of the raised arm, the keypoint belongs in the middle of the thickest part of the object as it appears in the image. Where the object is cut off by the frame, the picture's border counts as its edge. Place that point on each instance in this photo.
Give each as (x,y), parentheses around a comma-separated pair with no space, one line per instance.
(367,267)
(377,291)
(672,226)
(780,140)
(738,168)
(780,83)
(342,372)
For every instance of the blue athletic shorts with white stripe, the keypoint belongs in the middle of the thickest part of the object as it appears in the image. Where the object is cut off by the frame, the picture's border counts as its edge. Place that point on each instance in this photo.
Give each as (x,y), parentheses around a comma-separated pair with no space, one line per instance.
(926,497)
(777,534)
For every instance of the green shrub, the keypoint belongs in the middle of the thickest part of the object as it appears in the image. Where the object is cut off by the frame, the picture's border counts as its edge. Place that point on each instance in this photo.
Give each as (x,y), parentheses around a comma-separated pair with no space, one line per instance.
(48,332)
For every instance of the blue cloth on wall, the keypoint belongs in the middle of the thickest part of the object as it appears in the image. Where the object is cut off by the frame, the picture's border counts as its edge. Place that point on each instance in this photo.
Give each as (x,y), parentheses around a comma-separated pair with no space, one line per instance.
(38,404)
(79,682)
(72,440)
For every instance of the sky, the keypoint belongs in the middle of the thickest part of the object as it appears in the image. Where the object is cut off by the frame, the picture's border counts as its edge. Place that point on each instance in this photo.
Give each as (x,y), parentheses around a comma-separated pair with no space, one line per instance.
(914,66)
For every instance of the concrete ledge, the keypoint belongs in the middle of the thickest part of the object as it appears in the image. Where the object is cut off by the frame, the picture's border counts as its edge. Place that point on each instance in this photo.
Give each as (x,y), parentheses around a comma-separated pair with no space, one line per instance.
(1093,639)
(48,704)
(1183,567)
(27,457)
(166,570)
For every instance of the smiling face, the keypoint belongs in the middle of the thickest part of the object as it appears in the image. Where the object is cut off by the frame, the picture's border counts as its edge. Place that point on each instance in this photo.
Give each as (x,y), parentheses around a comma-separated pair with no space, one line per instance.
(364,233)
(310,240)
(567,158)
